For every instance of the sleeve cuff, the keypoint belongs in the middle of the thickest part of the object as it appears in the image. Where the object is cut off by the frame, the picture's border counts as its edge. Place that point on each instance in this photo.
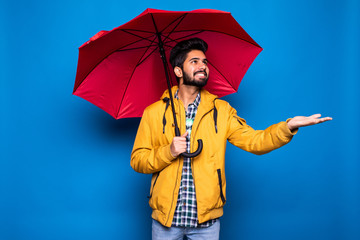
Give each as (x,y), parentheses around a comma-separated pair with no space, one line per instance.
(293,132)
(168,154)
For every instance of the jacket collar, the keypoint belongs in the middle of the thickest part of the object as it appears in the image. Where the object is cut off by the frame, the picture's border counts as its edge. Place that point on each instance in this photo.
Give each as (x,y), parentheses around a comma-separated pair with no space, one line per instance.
(207,99)
(196,101)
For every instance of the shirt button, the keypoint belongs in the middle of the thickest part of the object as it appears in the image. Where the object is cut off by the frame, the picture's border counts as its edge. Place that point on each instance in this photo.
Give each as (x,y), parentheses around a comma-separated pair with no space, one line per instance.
(184,203)
(185,188)
(185,170)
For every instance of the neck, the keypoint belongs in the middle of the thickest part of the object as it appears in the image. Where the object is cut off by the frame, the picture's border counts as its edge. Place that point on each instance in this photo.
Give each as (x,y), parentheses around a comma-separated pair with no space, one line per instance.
(187,94)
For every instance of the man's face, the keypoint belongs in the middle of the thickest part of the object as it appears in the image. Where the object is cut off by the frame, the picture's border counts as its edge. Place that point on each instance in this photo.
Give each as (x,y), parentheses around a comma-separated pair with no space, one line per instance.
(195,69)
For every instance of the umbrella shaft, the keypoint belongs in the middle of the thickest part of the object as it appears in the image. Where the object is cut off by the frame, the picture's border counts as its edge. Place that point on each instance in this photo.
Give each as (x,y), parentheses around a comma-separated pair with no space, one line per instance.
(163,57)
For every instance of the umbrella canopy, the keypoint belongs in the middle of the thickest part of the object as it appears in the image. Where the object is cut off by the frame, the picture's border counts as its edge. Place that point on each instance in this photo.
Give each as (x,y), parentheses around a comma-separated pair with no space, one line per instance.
(121,70)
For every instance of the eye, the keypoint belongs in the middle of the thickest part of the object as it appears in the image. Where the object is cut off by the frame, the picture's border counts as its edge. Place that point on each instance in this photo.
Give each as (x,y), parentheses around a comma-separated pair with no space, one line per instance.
(193,61)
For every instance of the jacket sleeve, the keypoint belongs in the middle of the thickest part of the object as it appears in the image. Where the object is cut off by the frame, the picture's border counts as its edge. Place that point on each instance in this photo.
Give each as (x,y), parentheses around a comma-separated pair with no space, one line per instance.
(145,156)
(257,141)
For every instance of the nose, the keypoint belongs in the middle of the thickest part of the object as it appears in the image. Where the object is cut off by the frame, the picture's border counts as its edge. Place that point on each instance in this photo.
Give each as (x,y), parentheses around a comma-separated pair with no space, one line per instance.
(202,66)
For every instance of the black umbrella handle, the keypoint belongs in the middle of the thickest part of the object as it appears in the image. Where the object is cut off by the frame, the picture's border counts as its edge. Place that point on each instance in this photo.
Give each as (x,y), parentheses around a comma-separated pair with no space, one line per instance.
(186,154)
(197,152)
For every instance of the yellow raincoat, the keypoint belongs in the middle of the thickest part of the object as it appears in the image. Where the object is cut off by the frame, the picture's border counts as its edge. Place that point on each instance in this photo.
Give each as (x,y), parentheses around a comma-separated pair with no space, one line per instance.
(151,152)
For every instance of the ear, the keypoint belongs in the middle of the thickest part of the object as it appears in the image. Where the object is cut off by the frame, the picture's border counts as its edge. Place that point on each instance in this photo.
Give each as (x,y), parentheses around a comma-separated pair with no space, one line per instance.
(178,72)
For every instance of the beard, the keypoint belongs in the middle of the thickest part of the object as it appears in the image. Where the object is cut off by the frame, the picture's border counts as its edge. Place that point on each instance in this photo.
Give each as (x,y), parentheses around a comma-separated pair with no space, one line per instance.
(191,81)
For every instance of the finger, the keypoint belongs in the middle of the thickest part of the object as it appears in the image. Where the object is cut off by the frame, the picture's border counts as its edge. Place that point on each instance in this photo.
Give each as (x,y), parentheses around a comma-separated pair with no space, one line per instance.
(181,148)
(321,120)
(316,115)
(326,119)
(185,134)
(180,142)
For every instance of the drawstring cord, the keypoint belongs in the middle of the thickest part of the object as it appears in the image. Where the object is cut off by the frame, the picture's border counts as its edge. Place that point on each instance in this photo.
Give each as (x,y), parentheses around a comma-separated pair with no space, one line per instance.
(167,105)
(215,117)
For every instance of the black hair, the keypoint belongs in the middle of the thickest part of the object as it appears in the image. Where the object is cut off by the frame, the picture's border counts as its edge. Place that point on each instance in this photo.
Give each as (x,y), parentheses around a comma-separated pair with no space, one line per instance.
(179,53)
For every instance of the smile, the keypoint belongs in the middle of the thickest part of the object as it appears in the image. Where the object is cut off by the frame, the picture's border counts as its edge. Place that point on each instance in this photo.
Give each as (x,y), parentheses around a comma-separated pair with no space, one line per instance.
(201,74)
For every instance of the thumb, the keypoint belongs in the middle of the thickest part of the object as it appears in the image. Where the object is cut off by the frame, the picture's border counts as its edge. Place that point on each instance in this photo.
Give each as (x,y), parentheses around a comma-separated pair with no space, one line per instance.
(185,134)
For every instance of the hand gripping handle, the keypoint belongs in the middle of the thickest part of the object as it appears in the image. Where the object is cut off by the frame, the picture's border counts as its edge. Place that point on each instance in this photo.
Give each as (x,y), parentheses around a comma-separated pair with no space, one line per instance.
(197,152)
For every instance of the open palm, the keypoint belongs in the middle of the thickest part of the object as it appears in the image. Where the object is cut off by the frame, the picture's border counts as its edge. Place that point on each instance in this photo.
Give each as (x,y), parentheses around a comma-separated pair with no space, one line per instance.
(302,121)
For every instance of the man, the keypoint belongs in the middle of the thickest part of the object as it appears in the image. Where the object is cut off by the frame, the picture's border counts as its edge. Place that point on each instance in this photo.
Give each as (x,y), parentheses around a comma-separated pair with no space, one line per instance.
(187,195)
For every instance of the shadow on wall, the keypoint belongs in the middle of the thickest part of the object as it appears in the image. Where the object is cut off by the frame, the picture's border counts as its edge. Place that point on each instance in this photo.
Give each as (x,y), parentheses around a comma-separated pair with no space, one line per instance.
(125,128)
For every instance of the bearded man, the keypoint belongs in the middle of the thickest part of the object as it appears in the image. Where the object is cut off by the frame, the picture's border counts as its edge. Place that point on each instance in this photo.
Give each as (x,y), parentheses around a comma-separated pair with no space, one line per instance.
(187,195)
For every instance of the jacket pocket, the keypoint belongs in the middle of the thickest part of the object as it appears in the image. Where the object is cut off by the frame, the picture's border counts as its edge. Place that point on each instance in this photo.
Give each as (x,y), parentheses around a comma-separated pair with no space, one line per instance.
(220,184)
(241,121)
(153,186)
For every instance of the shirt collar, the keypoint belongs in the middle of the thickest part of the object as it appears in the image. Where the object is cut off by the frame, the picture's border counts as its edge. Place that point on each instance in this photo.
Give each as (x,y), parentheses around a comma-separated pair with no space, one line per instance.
(196,101)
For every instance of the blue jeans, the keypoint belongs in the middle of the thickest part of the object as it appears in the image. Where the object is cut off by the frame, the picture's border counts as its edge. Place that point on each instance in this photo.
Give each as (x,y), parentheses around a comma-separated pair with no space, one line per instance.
(159,232)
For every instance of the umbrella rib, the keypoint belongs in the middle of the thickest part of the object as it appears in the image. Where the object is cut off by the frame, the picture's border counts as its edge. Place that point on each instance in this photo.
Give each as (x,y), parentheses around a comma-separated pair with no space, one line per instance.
(132,73)
(117,50)
(199,31)
(222,75)
(176,40)
(143,38)
(136,30)
(147,56)
(136,48)
(182,18)
(255,44)
(127,45)
(179,19)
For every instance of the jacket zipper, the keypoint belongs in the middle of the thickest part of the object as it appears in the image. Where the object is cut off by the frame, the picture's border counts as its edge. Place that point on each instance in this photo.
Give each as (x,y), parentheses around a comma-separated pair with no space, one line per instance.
(192,142)
(191,145)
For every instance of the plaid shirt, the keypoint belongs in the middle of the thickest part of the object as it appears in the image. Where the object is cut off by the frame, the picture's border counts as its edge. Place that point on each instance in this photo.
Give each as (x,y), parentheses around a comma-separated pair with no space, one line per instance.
(186,209)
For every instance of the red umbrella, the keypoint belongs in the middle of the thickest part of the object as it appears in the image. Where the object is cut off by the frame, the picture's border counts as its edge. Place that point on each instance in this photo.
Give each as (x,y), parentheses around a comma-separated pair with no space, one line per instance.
(120,70)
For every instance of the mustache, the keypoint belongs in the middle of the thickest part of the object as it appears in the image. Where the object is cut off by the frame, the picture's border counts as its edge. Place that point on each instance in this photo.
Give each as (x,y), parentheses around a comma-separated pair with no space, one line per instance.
(205,74)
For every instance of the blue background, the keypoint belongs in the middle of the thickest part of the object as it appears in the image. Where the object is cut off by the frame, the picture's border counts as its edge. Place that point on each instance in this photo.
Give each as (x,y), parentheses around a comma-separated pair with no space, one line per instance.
(64,169)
